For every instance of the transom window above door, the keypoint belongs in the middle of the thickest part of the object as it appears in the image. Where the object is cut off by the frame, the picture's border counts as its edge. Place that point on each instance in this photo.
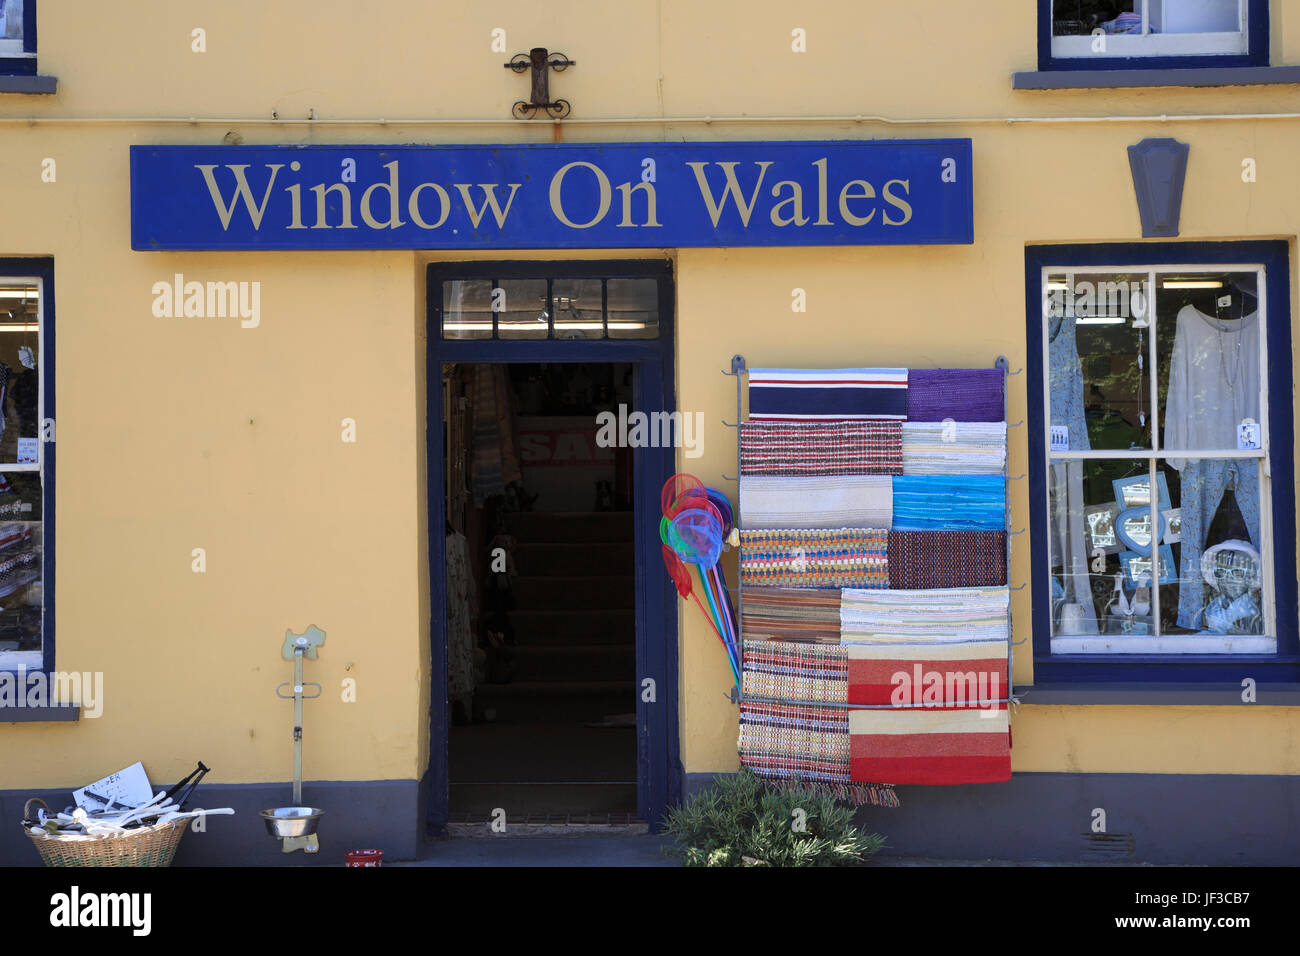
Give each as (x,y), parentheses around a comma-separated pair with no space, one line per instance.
(551,308)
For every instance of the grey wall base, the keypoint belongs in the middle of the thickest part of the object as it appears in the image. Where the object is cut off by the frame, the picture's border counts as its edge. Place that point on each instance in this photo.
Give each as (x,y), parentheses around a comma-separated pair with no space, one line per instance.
(359,814)
(1201,819)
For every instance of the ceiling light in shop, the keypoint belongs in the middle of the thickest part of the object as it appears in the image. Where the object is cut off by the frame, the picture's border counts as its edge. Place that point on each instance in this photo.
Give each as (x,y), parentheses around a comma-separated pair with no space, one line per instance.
(1191,284)
(19,327)
(1102,320)
(19,294)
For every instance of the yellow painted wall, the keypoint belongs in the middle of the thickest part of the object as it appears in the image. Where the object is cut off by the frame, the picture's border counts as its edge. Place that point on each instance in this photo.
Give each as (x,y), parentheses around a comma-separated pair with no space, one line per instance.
(157,453)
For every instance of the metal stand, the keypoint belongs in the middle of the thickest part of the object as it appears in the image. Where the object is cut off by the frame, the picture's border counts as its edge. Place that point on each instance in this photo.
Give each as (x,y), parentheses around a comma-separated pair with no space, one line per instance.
(295,648)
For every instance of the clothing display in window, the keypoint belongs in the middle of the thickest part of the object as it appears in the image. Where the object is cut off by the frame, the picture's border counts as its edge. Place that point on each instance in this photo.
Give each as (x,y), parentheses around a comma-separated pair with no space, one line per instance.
(1070,547)
(495,463)
(1214,383)
(1204,482)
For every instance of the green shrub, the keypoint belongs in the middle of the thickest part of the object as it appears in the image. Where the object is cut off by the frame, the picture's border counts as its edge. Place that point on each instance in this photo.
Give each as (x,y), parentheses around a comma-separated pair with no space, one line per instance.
(743,821)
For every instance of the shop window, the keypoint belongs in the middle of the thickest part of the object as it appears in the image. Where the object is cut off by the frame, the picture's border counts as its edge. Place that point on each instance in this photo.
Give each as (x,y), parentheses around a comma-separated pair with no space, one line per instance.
(555,308)
(17,36)
(1129,34)
(25,469)
(1163,492)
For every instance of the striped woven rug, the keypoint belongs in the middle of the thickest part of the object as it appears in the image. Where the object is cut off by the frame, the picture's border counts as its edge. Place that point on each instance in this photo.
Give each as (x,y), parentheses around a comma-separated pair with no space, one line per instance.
(946,559)
(809,558)
(934,616)
(821,448)
(790,394)
(809,615)
(949,503)
(804,731)
(837,501)
(949,720)
(954,448)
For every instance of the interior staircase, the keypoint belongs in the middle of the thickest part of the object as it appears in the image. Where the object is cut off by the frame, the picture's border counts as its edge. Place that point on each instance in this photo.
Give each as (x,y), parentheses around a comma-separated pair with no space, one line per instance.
(573,664)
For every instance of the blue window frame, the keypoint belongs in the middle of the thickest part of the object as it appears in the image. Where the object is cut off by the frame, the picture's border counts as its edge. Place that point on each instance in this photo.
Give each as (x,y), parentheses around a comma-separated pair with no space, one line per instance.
(17,37)
(27,583)
(1253,51)
(1282,664)
(659,772)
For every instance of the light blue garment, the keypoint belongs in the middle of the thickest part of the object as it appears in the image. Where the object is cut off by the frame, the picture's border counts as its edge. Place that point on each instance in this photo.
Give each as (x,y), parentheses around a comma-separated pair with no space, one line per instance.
(1203,484)
(1065,374)
(949,503)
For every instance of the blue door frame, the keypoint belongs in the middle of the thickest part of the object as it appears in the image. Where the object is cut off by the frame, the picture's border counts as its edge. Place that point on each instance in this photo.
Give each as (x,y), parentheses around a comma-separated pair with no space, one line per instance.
(659,773)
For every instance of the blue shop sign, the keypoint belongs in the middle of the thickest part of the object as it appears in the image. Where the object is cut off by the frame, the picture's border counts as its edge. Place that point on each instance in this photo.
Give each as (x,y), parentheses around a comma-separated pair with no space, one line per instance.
(591,195)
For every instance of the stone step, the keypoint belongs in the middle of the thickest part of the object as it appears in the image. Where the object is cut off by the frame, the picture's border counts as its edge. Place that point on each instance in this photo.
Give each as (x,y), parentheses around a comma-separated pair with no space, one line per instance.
(548,559)
(574,626)
(568,527)
(556,701)
(609,662)
(576,592)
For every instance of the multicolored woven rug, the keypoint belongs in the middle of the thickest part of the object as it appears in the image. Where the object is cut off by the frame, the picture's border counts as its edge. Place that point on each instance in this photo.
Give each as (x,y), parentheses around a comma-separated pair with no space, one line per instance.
(862,447)
(804,732)
(933,616)
(786,394)
(930,746)
(954,448)
(954,674)
(809,615)
(962,394)
(947,559)
(839,501)
(805,558)
(949,503)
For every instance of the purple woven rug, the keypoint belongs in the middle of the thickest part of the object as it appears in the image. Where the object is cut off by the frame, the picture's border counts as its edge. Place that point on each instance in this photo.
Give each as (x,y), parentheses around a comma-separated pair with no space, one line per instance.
(962,394)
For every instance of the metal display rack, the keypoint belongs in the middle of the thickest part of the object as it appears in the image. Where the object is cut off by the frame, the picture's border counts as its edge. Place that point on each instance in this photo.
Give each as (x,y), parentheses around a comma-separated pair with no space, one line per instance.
(737,694)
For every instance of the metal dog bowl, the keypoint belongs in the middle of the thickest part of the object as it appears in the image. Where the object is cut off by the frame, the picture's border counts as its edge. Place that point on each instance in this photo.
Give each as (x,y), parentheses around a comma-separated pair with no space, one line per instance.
(291,821)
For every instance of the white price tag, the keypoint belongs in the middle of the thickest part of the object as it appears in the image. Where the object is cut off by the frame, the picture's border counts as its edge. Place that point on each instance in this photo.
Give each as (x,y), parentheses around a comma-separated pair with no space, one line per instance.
(1060,438)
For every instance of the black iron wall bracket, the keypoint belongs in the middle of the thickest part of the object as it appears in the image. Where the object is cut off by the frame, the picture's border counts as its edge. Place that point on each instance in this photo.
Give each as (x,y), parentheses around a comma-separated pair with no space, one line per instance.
(539,60)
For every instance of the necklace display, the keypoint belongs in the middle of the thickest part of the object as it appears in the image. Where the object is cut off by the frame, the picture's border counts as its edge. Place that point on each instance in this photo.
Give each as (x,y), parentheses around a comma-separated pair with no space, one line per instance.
(1219,323)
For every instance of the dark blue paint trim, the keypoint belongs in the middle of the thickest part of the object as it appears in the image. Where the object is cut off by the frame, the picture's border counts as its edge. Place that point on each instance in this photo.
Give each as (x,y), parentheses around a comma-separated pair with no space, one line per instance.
(659,770)
(1123,79)
(1257,25)
(1285,665)
(44,269)
(1158,694)
(49,714)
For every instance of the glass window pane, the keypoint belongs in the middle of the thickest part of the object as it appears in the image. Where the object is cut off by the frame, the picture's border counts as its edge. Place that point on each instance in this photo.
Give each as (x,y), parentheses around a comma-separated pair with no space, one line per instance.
(1214,530)
(578,309)
(1081,17)
(1097,327)
(467,309)
(20,563)
(521,309)
(1200,16)
(1208,340)
(633,308)
(11,19)
(20,387)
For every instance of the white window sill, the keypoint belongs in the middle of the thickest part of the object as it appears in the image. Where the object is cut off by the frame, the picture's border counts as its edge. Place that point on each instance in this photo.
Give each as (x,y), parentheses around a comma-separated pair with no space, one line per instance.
(1183,644)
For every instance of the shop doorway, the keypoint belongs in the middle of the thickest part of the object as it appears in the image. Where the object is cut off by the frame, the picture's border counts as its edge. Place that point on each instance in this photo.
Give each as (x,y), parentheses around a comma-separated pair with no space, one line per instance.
(554,667)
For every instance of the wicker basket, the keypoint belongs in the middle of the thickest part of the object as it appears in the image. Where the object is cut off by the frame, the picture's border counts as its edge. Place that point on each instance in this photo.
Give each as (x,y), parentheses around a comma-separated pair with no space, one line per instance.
(144,846)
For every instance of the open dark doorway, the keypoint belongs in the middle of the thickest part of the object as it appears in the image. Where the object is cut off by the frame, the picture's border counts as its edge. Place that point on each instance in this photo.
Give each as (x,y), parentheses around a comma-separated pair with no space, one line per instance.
(541,633)
(554,679)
